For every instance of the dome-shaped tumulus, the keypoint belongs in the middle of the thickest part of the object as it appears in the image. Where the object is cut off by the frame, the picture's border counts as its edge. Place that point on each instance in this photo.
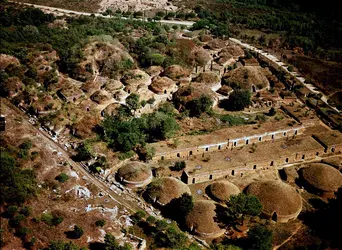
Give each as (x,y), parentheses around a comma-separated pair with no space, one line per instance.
(322,177)
(163,190)
(222,190)
(279,201)
(202,220)
(135,174)
(247,77)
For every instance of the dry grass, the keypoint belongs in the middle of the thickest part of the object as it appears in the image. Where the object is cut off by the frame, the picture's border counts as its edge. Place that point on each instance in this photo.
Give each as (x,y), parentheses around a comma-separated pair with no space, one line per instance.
(322,177)
(166,189)
(276,196)
(202,218)
(222,190)
(135,171)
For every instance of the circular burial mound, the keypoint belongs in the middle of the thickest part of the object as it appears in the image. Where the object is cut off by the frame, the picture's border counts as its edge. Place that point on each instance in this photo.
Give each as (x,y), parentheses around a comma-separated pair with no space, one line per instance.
(176,72)
(135,174)
(201,220)
(279,201)
(163,190)
(222,190)
(163,85)
(247,77)
(322,177)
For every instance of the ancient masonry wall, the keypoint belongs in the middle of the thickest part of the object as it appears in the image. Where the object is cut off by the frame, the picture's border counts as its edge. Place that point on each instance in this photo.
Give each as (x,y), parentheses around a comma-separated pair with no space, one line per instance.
(240,170)
(230,144)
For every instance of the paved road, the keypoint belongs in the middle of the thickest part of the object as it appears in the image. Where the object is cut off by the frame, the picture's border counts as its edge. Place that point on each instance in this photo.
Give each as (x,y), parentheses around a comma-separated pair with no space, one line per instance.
(72,12)
(284,66)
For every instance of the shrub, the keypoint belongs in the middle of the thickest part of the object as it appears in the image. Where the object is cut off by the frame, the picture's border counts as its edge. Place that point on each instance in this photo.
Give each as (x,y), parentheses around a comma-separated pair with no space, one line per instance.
(100,223)
(179,165)
(151,219)
(62,177)
(78,231)
(26,211)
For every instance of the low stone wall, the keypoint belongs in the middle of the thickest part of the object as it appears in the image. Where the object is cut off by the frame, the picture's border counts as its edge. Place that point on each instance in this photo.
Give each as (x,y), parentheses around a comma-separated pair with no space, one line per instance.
(230,144)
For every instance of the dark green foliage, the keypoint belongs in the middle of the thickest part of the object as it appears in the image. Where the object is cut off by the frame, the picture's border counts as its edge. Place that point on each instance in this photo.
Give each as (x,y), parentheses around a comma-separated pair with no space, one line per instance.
(239,206)
(29,16)
(100,223)
(259,238)
(133,102)
(111,243)
(78,232)
(26,211)
(61,245)
(171,238)
(16,185)
(16,220)
(62,177)
(51,220)
(84,152)
(179,165)
(237,101)
(23,231)
(126,135)
(11,211)
(161,225)
(272,112)
(138,216)
(151,219)
(245,204)
(199,105)
(160,126)
(179,208)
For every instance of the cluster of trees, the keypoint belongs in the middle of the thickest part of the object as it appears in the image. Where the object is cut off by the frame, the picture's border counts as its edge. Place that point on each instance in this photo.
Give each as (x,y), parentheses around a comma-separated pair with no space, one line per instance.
(164,234)
(305,24)
(238,100)
(126,132)
(16,184)
(193,107)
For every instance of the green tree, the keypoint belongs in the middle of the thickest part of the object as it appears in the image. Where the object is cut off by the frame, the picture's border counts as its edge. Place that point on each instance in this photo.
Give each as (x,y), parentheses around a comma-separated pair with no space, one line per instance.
(172,238)
(161,225)
(78,232)
(259,238)
(151,219)
(133,102)
(272,112)
(111,243)
(62,177)
(237,101)
(199,105)
(100,223)
(160,126)
(61,245)
(179,165)
(179,208)
(240,205)
(16,185)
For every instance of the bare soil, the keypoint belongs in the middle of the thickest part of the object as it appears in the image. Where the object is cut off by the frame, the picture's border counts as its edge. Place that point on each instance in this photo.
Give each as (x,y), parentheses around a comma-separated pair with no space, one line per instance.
(53,197)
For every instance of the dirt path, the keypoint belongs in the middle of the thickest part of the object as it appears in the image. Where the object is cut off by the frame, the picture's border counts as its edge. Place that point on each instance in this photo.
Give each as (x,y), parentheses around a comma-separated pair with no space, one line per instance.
(289,238)
(274,59)
(59,11)
(120,199)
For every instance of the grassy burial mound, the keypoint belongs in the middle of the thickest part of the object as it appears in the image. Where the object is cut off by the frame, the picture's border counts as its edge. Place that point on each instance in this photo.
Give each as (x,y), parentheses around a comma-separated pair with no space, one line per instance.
(163,190)
(202,220)
(222,190)
(135,174)
(280,201)
(321,178)
(248,77)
